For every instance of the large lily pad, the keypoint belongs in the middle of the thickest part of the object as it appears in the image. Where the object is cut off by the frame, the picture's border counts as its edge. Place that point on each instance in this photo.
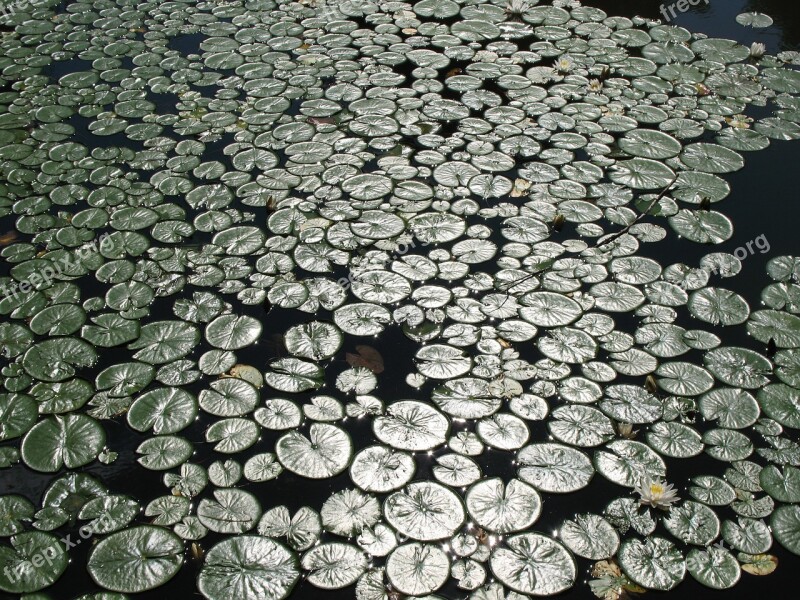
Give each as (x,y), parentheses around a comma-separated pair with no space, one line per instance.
(137,559)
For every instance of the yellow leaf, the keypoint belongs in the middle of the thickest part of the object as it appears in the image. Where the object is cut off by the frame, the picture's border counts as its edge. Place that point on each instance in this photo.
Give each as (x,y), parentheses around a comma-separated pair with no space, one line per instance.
(759,564)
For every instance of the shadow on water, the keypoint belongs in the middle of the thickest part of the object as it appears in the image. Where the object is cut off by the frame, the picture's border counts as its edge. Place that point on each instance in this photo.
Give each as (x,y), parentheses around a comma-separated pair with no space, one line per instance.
(763,201)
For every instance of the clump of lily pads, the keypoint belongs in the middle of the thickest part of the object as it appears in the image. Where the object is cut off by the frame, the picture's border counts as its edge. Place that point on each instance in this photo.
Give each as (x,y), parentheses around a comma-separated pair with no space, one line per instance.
(484,178)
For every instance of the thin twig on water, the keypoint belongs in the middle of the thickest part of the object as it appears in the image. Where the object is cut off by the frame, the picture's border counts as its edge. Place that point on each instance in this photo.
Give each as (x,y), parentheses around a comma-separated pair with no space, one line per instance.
(608,240)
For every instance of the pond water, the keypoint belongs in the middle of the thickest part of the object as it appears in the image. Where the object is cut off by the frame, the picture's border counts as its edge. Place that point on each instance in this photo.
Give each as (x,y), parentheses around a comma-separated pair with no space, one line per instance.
(761,205)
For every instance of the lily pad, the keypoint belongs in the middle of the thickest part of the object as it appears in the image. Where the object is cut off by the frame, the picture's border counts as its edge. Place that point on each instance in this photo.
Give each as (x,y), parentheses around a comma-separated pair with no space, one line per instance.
(137,559)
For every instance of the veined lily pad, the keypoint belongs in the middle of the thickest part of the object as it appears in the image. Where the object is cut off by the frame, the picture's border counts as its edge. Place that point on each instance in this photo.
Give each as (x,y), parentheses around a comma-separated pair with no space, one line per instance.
(747,535)
(72,441)
(590,536)
(411,425)
(783,485)
(137,559)
(164,410)
(418,569)
(326,452)
(554,467)
(715,568)
(56,359)
(425,511)
(785,524)
(380,469)
(693,523)
(654,564)
(334,565)
(231,511)
(503,508)
(232,332)
(531,563)
(248,564)
(19,573)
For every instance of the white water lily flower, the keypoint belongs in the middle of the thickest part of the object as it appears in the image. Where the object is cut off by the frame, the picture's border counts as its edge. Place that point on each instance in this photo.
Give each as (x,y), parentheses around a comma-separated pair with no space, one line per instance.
(656,493)
(515,8)
(565,64)
(595,85)
(739,121)
(757,50)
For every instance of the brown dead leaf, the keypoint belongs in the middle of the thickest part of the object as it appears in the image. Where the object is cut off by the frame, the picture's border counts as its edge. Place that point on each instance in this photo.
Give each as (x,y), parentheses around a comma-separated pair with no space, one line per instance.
(606,568)
(321,120)
(367,357)
(197,551)
(8,238)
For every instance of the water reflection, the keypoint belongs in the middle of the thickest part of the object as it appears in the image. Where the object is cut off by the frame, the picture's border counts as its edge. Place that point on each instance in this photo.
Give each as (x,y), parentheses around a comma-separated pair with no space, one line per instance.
(786,15)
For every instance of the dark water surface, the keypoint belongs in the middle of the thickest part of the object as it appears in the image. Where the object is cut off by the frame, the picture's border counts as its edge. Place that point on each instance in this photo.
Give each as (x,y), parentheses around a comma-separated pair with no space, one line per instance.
(763,202)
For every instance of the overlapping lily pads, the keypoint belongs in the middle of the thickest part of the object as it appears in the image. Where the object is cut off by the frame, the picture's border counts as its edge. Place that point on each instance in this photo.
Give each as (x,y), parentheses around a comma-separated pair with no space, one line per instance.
(215,204)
